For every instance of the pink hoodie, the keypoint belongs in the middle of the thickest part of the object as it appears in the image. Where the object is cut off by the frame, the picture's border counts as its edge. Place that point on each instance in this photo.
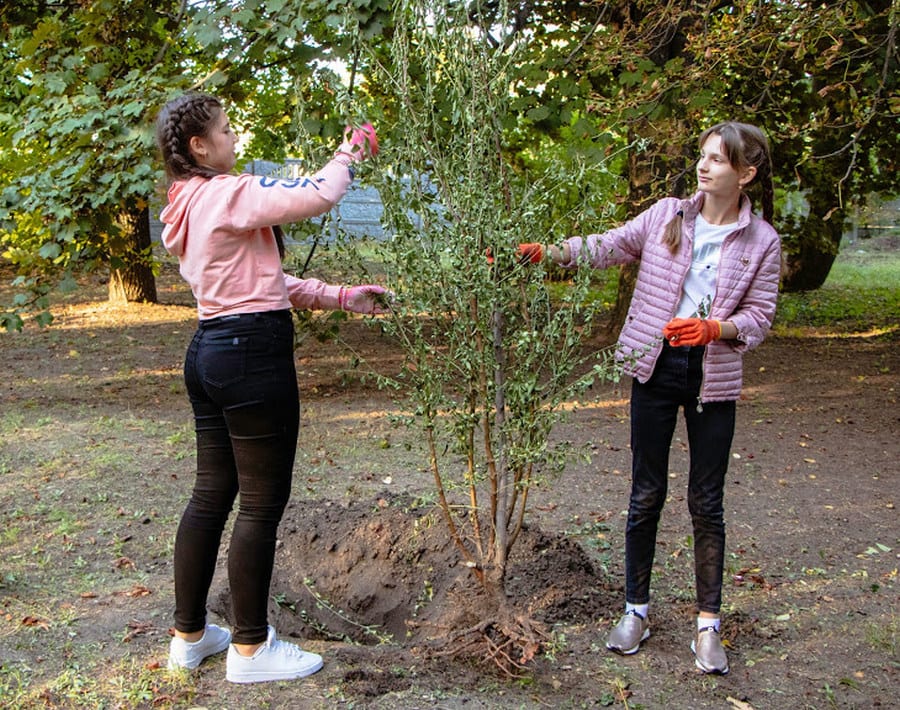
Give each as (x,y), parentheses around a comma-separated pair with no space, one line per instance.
(221,231)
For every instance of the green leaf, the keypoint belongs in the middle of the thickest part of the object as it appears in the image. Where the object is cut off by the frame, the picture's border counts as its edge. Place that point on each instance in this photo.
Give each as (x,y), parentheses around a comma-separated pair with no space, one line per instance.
(50,250)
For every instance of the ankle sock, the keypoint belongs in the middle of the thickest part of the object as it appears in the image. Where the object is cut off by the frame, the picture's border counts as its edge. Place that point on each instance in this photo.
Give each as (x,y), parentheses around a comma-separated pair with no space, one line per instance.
(706,623)
(641,609)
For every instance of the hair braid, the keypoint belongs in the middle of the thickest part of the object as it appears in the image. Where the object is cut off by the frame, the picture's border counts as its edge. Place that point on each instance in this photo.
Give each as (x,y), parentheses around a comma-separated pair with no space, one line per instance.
(180,120)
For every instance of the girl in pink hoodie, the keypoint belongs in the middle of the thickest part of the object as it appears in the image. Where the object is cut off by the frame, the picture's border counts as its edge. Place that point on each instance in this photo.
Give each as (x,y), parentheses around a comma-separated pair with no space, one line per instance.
(239,372)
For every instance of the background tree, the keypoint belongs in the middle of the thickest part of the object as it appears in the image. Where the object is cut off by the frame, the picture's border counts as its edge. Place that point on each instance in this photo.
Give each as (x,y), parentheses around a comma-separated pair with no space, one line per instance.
(82,81)
(821,80)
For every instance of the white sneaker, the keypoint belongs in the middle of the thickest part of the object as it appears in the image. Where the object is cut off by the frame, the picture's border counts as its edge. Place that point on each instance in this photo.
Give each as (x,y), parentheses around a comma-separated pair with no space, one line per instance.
(274,660)
(183,654)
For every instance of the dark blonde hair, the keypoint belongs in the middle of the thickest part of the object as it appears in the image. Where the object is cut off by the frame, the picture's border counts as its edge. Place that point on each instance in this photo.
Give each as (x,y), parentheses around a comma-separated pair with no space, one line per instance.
(745,146)
(181,119)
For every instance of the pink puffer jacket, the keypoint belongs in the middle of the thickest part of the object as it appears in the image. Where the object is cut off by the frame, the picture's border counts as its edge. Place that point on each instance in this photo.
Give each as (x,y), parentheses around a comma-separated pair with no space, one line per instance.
(746,288)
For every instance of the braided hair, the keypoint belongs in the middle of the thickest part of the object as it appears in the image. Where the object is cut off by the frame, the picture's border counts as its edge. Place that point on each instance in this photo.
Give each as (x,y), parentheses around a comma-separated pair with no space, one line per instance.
(745,146)
(181,119)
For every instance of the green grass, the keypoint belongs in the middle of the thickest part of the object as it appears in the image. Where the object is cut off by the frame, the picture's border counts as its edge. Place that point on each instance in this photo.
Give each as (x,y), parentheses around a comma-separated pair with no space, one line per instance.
(862,292)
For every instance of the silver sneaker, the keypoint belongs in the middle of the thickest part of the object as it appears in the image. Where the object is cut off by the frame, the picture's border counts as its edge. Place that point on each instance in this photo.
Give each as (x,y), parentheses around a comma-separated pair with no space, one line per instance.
(709,654)
(628,634)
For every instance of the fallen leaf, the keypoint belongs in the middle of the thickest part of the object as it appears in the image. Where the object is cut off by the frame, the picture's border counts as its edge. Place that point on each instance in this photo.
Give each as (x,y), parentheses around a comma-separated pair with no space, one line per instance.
(123,562)
(136,628)
(33,621)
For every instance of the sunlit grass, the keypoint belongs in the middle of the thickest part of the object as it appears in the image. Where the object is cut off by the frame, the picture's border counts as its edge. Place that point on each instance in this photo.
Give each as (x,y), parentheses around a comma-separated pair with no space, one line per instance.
(861,293)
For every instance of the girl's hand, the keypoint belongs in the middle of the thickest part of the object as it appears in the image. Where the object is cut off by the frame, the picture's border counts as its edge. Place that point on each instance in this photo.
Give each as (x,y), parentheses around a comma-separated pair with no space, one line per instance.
(692,331)
(367,298)
(360,143)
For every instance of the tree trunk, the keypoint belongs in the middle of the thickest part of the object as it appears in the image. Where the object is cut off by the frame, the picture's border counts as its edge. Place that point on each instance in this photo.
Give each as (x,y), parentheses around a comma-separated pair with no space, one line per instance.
(651,174)
(817,242)
(131,278)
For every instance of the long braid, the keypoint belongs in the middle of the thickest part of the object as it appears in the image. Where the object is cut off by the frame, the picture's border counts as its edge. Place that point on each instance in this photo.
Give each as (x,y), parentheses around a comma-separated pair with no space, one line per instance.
(180,120)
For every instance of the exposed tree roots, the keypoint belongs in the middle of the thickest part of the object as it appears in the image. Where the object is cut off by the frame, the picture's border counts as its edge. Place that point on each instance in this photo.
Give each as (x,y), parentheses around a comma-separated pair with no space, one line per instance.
(510,642)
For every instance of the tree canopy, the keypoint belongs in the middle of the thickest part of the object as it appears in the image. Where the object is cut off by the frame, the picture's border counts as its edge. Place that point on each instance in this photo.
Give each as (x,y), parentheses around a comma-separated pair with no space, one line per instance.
(82,83)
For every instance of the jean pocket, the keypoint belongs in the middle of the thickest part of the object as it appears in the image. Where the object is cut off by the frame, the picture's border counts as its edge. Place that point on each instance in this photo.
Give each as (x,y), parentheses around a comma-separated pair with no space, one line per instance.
(224,362)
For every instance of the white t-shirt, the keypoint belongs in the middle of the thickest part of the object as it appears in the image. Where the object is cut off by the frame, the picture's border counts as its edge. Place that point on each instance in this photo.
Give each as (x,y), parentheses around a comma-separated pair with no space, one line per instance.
(700,284)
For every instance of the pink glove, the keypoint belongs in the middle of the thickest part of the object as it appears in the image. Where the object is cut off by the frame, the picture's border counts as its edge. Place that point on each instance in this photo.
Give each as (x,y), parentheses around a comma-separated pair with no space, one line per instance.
(692,331)
(368,299)
(360,143)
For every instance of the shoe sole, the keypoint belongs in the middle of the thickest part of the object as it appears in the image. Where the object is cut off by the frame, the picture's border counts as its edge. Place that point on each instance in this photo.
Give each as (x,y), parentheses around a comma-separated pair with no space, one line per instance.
(633,649)
(708,671)
(270,676)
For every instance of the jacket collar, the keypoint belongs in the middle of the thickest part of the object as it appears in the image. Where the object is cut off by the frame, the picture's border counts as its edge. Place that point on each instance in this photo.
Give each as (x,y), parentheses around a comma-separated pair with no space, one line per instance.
(691,208)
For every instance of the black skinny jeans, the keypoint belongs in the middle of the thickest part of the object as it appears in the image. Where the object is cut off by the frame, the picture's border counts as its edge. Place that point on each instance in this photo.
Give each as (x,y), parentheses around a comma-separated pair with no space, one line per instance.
(675,384)
(241,380)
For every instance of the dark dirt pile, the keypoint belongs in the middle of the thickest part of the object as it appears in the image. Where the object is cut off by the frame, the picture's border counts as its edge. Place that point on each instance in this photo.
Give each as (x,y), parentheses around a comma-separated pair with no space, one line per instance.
(384,568)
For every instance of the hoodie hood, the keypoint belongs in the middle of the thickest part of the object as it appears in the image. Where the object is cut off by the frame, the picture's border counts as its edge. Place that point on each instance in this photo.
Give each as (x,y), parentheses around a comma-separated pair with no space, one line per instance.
(175,214)
(220,229)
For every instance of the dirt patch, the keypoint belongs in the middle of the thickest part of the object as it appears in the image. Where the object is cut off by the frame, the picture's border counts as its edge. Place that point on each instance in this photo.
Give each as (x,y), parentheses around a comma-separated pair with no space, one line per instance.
(398,578)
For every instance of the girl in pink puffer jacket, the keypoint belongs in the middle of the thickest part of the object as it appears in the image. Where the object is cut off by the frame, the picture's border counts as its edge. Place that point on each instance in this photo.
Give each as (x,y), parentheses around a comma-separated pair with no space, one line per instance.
(705,294)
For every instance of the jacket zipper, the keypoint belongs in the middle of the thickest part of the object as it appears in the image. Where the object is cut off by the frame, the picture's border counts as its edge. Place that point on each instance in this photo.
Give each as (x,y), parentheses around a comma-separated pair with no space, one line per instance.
(729,238)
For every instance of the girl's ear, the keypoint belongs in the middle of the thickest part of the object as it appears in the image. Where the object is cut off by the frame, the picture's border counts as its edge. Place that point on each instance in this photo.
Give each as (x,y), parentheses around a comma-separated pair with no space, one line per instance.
(746,177)
(198,148)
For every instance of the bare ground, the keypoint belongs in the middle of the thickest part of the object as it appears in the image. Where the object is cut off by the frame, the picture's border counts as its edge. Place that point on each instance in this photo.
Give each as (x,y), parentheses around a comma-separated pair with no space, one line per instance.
(364,573)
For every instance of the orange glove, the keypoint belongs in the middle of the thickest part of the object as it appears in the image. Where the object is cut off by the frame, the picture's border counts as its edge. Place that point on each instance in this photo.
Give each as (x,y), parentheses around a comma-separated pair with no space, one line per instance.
(692,331)
(530,253)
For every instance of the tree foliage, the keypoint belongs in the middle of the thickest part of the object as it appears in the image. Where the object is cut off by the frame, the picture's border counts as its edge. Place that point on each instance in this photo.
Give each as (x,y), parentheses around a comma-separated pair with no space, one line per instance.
(82,83)
(819,78)
(490,366)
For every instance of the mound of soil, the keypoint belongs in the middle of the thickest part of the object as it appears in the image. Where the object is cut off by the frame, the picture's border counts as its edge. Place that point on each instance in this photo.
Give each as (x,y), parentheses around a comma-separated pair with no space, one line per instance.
(386,570)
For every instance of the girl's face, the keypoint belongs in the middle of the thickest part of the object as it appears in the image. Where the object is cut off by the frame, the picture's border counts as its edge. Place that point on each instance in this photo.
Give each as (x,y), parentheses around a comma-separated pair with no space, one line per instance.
(216,149)
(715,175)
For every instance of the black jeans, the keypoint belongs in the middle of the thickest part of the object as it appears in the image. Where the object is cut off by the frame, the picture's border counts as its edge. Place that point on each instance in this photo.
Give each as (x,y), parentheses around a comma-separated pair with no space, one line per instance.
(675,384)
(241,380)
